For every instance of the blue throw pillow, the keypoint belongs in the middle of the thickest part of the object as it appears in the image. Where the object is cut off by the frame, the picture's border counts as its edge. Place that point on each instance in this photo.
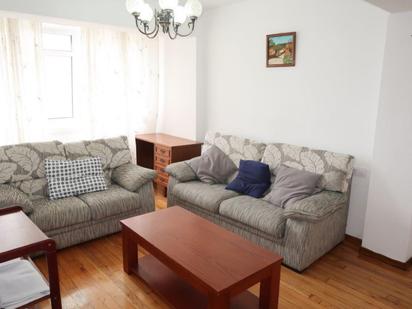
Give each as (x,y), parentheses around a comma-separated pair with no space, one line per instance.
(253,179)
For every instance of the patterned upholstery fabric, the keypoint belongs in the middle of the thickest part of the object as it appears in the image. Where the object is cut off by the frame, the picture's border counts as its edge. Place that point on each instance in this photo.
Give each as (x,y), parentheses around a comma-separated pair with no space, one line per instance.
(12,196)
(23,166)
(237,148)
(336,169)
(49,215)
(255,213)
(87,231)
(75,234)
(303,241)
(35,188)
(204,195)
(181,171)
(69,221)
(25,161)
(315,207)
(114,152)
(132,177)
(115,200)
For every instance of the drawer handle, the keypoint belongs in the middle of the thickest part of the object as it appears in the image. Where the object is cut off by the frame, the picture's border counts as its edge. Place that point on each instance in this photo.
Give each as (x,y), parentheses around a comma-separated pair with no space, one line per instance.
(162,160)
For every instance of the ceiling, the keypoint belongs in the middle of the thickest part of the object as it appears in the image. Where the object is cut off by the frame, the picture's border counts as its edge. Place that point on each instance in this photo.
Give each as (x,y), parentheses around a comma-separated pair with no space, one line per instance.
(209,4)
(393,6)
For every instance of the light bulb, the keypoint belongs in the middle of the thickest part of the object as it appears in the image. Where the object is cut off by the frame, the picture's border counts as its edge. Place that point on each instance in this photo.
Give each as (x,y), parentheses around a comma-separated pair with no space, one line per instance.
(193,8)
(147,13)
(134,6)
(168,4)
(179,14)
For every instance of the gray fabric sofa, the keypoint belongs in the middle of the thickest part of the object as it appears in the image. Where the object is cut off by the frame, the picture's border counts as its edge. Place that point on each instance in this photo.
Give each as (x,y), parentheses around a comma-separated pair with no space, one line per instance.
(74,220)
(301,232)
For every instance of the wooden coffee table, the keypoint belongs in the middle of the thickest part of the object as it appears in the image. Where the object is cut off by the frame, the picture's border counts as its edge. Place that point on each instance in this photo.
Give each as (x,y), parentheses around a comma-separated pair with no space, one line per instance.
(197,264)
(20,237)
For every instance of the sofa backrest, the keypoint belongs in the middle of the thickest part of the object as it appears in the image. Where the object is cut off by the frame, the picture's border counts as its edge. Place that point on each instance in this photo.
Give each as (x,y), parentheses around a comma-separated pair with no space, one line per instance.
(336,169)
(237,148)
(22,166)
(113,152)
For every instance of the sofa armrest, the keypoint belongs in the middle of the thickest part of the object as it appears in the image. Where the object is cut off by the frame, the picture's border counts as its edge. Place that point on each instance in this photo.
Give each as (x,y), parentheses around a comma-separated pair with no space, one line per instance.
(132,177)
(315,207)
(11,196)
(181,171)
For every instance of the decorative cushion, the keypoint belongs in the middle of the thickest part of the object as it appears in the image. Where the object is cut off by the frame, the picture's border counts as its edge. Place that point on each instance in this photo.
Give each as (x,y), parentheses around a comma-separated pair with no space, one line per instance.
(253,179)
(71,178)
(12,196)
(113,152)
(25,161)
(206,196)
(237,148)
(115,200)
(291,183)
(132,177)
(51,215)
(214,166)
(335,169)
(255,213)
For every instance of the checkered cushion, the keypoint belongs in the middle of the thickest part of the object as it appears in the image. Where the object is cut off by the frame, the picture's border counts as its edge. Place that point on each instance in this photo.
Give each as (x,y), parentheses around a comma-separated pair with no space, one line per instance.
(71,178)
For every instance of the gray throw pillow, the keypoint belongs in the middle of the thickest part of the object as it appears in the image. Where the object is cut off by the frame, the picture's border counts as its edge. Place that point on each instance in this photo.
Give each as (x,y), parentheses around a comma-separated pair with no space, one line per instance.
(291,183)
(214,166)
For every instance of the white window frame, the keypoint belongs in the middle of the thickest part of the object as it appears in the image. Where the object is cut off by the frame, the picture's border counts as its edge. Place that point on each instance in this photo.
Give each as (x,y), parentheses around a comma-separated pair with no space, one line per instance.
(74,33)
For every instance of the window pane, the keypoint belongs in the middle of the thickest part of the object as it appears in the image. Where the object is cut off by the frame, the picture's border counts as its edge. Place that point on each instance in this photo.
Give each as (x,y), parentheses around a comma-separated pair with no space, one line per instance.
(57,42)
(58,90)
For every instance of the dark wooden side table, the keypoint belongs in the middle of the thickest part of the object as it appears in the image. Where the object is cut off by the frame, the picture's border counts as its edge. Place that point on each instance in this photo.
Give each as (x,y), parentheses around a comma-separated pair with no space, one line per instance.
(156,151)
(20,237)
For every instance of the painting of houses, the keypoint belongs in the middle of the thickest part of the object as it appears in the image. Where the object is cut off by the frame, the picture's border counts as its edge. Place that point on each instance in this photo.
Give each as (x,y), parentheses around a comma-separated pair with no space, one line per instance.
(281,49)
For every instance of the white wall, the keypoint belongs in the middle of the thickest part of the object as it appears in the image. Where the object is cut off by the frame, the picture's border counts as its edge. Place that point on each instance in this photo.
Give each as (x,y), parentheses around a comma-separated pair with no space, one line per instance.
(329,100)
(177,86)
(388,226)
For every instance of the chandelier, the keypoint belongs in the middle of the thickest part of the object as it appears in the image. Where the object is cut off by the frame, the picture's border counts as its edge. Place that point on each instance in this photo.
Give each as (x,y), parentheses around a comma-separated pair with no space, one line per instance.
(171,17)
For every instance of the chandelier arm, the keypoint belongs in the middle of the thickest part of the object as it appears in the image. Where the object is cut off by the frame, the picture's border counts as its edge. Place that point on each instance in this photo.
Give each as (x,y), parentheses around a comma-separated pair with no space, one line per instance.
(138,22)
(145,27)
(154,33)
(171,36)
(191,25)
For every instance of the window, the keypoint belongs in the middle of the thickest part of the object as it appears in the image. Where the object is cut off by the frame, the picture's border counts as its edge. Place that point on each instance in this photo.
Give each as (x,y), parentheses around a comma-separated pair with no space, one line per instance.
(58,57)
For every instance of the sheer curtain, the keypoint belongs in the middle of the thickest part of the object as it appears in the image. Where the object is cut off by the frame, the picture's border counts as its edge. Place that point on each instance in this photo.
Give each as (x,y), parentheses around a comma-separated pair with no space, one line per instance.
(115,85)
(22,117)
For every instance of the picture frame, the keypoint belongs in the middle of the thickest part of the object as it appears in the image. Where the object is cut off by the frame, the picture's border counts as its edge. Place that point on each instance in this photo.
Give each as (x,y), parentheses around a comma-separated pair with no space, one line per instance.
(281,50)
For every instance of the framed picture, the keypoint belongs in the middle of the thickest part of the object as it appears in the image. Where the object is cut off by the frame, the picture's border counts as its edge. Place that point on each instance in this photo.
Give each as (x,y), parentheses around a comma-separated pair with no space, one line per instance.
(281,50)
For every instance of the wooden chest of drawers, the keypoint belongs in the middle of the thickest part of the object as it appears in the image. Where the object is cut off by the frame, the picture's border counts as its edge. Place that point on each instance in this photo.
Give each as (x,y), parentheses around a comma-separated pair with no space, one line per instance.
(156,151)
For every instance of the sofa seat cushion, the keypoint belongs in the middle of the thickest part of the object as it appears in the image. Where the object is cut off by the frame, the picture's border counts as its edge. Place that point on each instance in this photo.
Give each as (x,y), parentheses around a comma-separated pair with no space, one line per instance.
(115,200)
(50,215)
(203,195)
(255,213)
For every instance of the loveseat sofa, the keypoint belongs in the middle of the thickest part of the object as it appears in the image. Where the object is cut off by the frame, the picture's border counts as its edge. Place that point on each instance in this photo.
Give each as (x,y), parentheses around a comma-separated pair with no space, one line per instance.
(303,230)
(74,220)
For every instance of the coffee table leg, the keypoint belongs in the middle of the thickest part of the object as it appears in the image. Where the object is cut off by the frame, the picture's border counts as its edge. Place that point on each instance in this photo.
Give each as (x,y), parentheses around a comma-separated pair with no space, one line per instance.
(130,260)
(53,270)
(269,290)
(218,302)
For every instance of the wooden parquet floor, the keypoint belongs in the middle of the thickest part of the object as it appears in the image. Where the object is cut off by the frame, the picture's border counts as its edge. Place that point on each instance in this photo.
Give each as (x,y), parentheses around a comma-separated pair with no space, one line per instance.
(91,276)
